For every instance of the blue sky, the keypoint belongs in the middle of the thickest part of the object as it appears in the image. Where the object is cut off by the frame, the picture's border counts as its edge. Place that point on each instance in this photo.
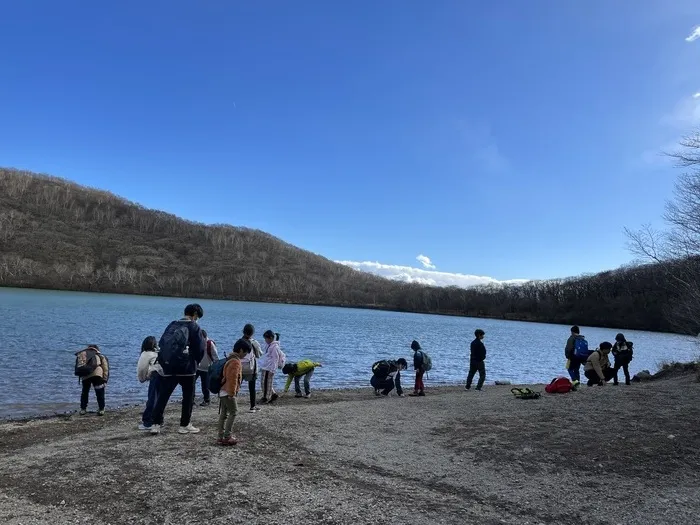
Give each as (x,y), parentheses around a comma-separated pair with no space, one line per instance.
(508,139)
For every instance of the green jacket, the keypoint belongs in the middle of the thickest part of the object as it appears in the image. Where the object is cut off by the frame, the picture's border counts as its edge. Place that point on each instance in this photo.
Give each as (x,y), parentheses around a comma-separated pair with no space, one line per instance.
(303,367)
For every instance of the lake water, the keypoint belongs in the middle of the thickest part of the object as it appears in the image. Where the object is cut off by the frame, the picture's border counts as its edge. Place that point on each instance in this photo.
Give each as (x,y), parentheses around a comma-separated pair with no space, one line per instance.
(43,330)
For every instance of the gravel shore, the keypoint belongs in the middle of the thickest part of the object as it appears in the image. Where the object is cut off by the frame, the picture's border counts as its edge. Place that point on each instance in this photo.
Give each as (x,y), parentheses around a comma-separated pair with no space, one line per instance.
(603,455)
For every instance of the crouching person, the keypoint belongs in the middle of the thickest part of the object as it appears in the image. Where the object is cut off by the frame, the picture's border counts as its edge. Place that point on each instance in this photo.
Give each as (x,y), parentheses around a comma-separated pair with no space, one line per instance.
(598,370)
(295,371)
(230,385)
(386,375)
(92,369)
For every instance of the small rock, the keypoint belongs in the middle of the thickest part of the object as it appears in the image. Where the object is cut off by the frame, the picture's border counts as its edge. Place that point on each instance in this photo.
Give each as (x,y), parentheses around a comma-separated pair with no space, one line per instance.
(242,493)
(671,436)
(63,502)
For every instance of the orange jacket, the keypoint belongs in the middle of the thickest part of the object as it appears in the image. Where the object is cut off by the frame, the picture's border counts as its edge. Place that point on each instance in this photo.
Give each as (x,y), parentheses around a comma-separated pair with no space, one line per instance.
(232,377)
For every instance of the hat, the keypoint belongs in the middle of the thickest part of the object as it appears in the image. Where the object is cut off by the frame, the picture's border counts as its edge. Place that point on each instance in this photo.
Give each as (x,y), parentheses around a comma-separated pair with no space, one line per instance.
(415,345)
(242,344)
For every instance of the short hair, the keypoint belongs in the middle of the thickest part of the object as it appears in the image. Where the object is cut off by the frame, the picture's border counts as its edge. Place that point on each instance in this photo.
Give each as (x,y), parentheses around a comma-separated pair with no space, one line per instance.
(479,332)
(605,345)
(248,330)
(194,309)
(575,329)
(242,344)
(289,368)
(402,362)
(269,334)
(150,344)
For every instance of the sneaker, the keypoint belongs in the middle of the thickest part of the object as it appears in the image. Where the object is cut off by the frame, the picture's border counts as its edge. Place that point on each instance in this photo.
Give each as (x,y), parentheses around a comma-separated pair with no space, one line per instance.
(101,412)
(377,392)
(155,429)
(144,427)
(263,401)
(414,394)
(254,409)
(189,429)
(204,404)
(298,395)
(421,394)
(467,388)
(228,442)
(82,412)
(307,396)
(274,398)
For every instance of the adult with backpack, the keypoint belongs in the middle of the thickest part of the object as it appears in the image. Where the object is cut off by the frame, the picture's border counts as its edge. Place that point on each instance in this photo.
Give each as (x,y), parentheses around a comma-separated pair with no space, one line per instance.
(210,356)
(182,347)
(386,375)
(576,352)
(227,388)
(147,369)
(421,364)
(623,353)
(477,358)
(598,370)
(249,363)
(92,369)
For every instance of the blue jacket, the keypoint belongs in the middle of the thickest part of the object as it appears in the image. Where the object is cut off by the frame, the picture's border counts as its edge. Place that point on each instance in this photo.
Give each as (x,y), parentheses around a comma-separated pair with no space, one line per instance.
(186,365)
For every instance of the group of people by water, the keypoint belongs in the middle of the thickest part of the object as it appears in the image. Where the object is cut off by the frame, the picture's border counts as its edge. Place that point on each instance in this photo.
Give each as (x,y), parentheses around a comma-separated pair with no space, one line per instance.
(185,353)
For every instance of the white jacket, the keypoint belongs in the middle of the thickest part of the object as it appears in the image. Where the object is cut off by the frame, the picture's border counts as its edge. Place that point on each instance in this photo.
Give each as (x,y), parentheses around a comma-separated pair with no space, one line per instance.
(249,361)
(274,358)
(147,365)
(206,360)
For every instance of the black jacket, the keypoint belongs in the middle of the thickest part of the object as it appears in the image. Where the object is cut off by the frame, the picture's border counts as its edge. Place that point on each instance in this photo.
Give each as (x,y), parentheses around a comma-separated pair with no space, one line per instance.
(186,365)
(383,369)
(478,350)
(418,360)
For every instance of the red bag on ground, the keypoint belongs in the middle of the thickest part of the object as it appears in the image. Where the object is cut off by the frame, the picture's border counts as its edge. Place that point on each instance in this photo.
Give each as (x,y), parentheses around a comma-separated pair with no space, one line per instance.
(559,385)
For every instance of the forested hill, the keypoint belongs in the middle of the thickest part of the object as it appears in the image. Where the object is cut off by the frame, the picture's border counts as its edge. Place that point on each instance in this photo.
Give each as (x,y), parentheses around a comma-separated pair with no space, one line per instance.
(59,235)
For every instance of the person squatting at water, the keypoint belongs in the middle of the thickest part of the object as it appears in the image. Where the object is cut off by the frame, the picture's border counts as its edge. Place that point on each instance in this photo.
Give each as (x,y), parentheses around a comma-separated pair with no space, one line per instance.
(383,379)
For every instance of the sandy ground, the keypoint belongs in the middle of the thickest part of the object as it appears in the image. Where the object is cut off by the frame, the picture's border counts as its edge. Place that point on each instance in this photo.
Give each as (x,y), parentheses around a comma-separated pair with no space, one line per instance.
(602,455)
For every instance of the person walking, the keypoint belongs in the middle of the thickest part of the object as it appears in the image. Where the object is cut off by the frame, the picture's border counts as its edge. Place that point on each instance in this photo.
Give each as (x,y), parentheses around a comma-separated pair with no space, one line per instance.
(477,360)
(182,346)
(211,355)
(623,353)
(249,364)
(92,369)
(147,369)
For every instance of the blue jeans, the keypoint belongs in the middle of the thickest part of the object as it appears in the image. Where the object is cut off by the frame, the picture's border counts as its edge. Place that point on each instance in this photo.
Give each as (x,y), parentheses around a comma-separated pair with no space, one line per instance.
(153,386)
(307,383)
(575,369)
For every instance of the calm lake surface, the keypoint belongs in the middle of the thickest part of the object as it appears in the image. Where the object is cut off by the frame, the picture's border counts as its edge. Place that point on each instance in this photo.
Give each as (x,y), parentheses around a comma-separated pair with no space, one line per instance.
(43,330)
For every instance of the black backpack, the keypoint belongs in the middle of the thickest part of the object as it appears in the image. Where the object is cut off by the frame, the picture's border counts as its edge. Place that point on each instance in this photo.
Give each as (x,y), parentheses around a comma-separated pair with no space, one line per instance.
(174,355)
(86,361)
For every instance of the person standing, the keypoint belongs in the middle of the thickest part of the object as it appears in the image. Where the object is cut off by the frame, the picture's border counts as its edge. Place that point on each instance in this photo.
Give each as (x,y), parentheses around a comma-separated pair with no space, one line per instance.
(418,387)
(231,384)
(92,369)
(272,360)
(477,360)
(182,346)
(211,355)
(147,369)
(249,364)
(622,352)
(574,362)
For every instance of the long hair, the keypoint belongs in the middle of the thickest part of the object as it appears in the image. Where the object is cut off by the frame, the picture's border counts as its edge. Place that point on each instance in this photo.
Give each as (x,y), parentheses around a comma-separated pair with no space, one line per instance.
(150,344)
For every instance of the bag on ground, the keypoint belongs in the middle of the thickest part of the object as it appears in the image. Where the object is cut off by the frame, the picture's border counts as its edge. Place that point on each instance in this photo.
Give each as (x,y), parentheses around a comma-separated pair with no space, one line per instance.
(86,361)
(559,385)
(216,374)
(581,350)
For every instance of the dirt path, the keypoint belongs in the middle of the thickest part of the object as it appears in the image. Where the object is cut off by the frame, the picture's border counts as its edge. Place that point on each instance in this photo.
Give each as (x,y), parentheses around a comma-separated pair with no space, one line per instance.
(611,455)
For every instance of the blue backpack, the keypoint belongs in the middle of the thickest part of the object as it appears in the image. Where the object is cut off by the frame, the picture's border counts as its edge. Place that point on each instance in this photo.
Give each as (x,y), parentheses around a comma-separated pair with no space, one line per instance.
(581,350)
(216,373)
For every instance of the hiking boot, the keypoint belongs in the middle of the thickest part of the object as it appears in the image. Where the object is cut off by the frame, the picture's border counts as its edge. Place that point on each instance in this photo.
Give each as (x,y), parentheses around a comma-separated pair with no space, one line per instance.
(228,442)
(145,427)
(101,412)
(189,429)
(155,429)
(204,404)
(82,412)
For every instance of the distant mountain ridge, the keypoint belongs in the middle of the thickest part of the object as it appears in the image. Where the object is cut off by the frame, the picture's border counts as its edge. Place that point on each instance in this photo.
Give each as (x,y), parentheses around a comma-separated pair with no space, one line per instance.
(56,234)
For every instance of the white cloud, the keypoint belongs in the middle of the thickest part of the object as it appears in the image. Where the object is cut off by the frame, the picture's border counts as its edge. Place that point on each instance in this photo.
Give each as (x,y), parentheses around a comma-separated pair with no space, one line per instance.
(426,262)
(697,95)
(409,274)
(692,37)
(686,113)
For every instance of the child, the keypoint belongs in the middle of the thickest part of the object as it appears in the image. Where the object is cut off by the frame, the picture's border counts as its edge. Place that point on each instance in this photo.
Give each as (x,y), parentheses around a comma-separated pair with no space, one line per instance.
(295,371)
(269,363)
(623,353)
(92,368)
(418,388)
(230,385)
(211,355)
(148,370)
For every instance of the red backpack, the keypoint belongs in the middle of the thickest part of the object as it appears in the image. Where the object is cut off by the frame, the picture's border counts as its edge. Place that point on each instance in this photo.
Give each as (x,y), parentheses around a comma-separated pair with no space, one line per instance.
(559,385)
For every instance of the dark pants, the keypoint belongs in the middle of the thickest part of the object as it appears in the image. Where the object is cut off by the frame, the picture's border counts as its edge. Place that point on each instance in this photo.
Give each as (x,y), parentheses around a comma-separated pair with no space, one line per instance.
(99,386)
(418,387)
(153,386)
(386,385)
(474,367)
(574,369)
(593,378)
(252,380)
(307,383)
(205,384)
(166,388)
(622,362)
